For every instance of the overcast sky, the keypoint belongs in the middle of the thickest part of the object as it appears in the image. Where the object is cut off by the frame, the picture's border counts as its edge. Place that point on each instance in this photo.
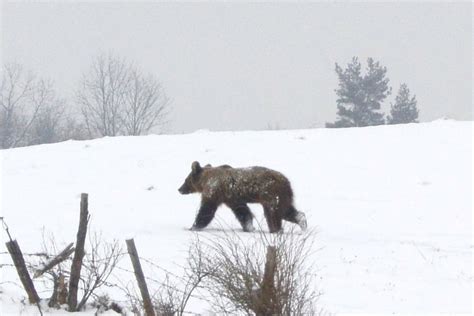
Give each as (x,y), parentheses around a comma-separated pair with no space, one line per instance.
(246,66)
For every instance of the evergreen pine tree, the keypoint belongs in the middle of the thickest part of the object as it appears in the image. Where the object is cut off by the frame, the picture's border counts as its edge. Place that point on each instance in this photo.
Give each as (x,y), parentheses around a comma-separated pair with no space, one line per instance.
(404,110)
(360,96)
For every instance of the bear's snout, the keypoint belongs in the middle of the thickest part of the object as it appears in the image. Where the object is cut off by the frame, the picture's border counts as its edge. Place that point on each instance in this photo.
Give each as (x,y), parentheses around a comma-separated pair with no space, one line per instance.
(183,189)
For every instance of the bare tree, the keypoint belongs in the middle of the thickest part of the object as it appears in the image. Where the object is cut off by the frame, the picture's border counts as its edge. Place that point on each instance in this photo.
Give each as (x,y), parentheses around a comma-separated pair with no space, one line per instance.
(99,263)
(16,93)
(273,127)
(235,273)
(146,104)
(49,124)
(30,111)
(116,98)
(73,128)
(101,95)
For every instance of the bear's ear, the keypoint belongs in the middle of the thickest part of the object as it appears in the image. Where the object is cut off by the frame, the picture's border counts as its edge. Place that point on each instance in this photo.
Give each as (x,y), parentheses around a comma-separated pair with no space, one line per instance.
(196,167)
(208,165)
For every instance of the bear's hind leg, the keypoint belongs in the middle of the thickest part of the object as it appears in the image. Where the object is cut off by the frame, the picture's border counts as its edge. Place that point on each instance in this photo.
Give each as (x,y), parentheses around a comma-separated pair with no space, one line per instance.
(274,220)
(297,217)
(244,216)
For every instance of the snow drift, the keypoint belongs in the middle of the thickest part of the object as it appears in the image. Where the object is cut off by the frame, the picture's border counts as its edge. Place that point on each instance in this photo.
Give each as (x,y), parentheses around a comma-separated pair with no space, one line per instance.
(392,204)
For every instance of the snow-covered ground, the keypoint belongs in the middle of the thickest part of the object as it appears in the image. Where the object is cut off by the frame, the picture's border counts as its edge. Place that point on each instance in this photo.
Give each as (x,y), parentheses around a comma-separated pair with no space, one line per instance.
(392,205)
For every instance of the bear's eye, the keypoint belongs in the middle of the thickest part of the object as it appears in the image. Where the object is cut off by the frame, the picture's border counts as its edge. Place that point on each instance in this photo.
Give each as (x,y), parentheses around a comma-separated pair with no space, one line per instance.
(191,181)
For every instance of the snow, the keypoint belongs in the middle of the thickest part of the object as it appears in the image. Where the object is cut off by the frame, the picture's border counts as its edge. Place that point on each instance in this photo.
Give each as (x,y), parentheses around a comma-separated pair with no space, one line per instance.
(392,205)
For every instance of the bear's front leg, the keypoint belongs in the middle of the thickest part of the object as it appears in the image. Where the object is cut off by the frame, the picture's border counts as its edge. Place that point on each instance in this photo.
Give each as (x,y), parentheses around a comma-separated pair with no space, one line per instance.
(205,214)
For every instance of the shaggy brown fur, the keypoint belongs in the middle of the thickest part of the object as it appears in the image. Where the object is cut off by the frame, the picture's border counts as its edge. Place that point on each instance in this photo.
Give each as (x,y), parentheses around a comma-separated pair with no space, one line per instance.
(235,187)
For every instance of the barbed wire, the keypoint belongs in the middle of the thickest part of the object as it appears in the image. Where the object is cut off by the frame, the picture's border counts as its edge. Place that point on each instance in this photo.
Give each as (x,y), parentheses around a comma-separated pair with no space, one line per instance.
(180,279)
(34,254)
(161,283)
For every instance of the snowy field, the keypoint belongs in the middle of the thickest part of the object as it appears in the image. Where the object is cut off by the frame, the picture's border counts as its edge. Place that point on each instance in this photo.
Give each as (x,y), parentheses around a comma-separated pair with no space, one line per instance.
(392,205)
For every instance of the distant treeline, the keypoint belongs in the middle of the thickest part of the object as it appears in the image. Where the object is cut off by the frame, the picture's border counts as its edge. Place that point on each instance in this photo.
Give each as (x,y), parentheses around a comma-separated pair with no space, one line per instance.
(114,97)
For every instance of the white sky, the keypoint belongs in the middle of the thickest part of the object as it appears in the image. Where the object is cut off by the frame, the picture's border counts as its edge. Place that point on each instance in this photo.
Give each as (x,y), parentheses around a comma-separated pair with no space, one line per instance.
(245,66)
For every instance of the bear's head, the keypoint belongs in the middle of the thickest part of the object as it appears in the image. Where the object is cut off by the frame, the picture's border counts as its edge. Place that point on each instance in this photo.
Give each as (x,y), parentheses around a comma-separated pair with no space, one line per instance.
(191,183)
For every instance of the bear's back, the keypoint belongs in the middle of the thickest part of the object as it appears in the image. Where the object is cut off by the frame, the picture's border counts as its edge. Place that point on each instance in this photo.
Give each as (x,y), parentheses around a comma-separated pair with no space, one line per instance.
(245,185)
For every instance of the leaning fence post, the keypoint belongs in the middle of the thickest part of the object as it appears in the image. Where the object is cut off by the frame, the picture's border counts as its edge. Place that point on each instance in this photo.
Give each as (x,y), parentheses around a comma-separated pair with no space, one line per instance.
(78,254)
(17,256)
(63,255)
(132,251)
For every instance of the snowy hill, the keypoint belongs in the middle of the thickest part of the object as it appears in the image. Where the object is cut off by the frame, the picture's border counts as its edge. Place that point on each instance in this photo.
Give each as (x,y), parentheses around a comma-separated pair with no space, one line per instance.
(392,204)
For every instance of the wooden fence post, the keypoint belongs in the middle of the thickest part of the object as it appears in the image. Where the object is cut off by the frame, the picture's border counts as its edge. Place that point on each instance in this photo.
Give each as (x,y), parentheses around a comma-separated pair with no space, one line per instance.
(132,251)
(266,302)
(17,256)
(78,254)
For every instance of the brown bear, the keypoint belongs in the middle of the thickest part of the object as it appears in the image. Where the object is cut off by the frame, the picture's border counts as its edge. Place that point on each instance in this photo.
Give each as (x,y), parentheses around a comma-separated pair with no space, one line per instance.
(235,187)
